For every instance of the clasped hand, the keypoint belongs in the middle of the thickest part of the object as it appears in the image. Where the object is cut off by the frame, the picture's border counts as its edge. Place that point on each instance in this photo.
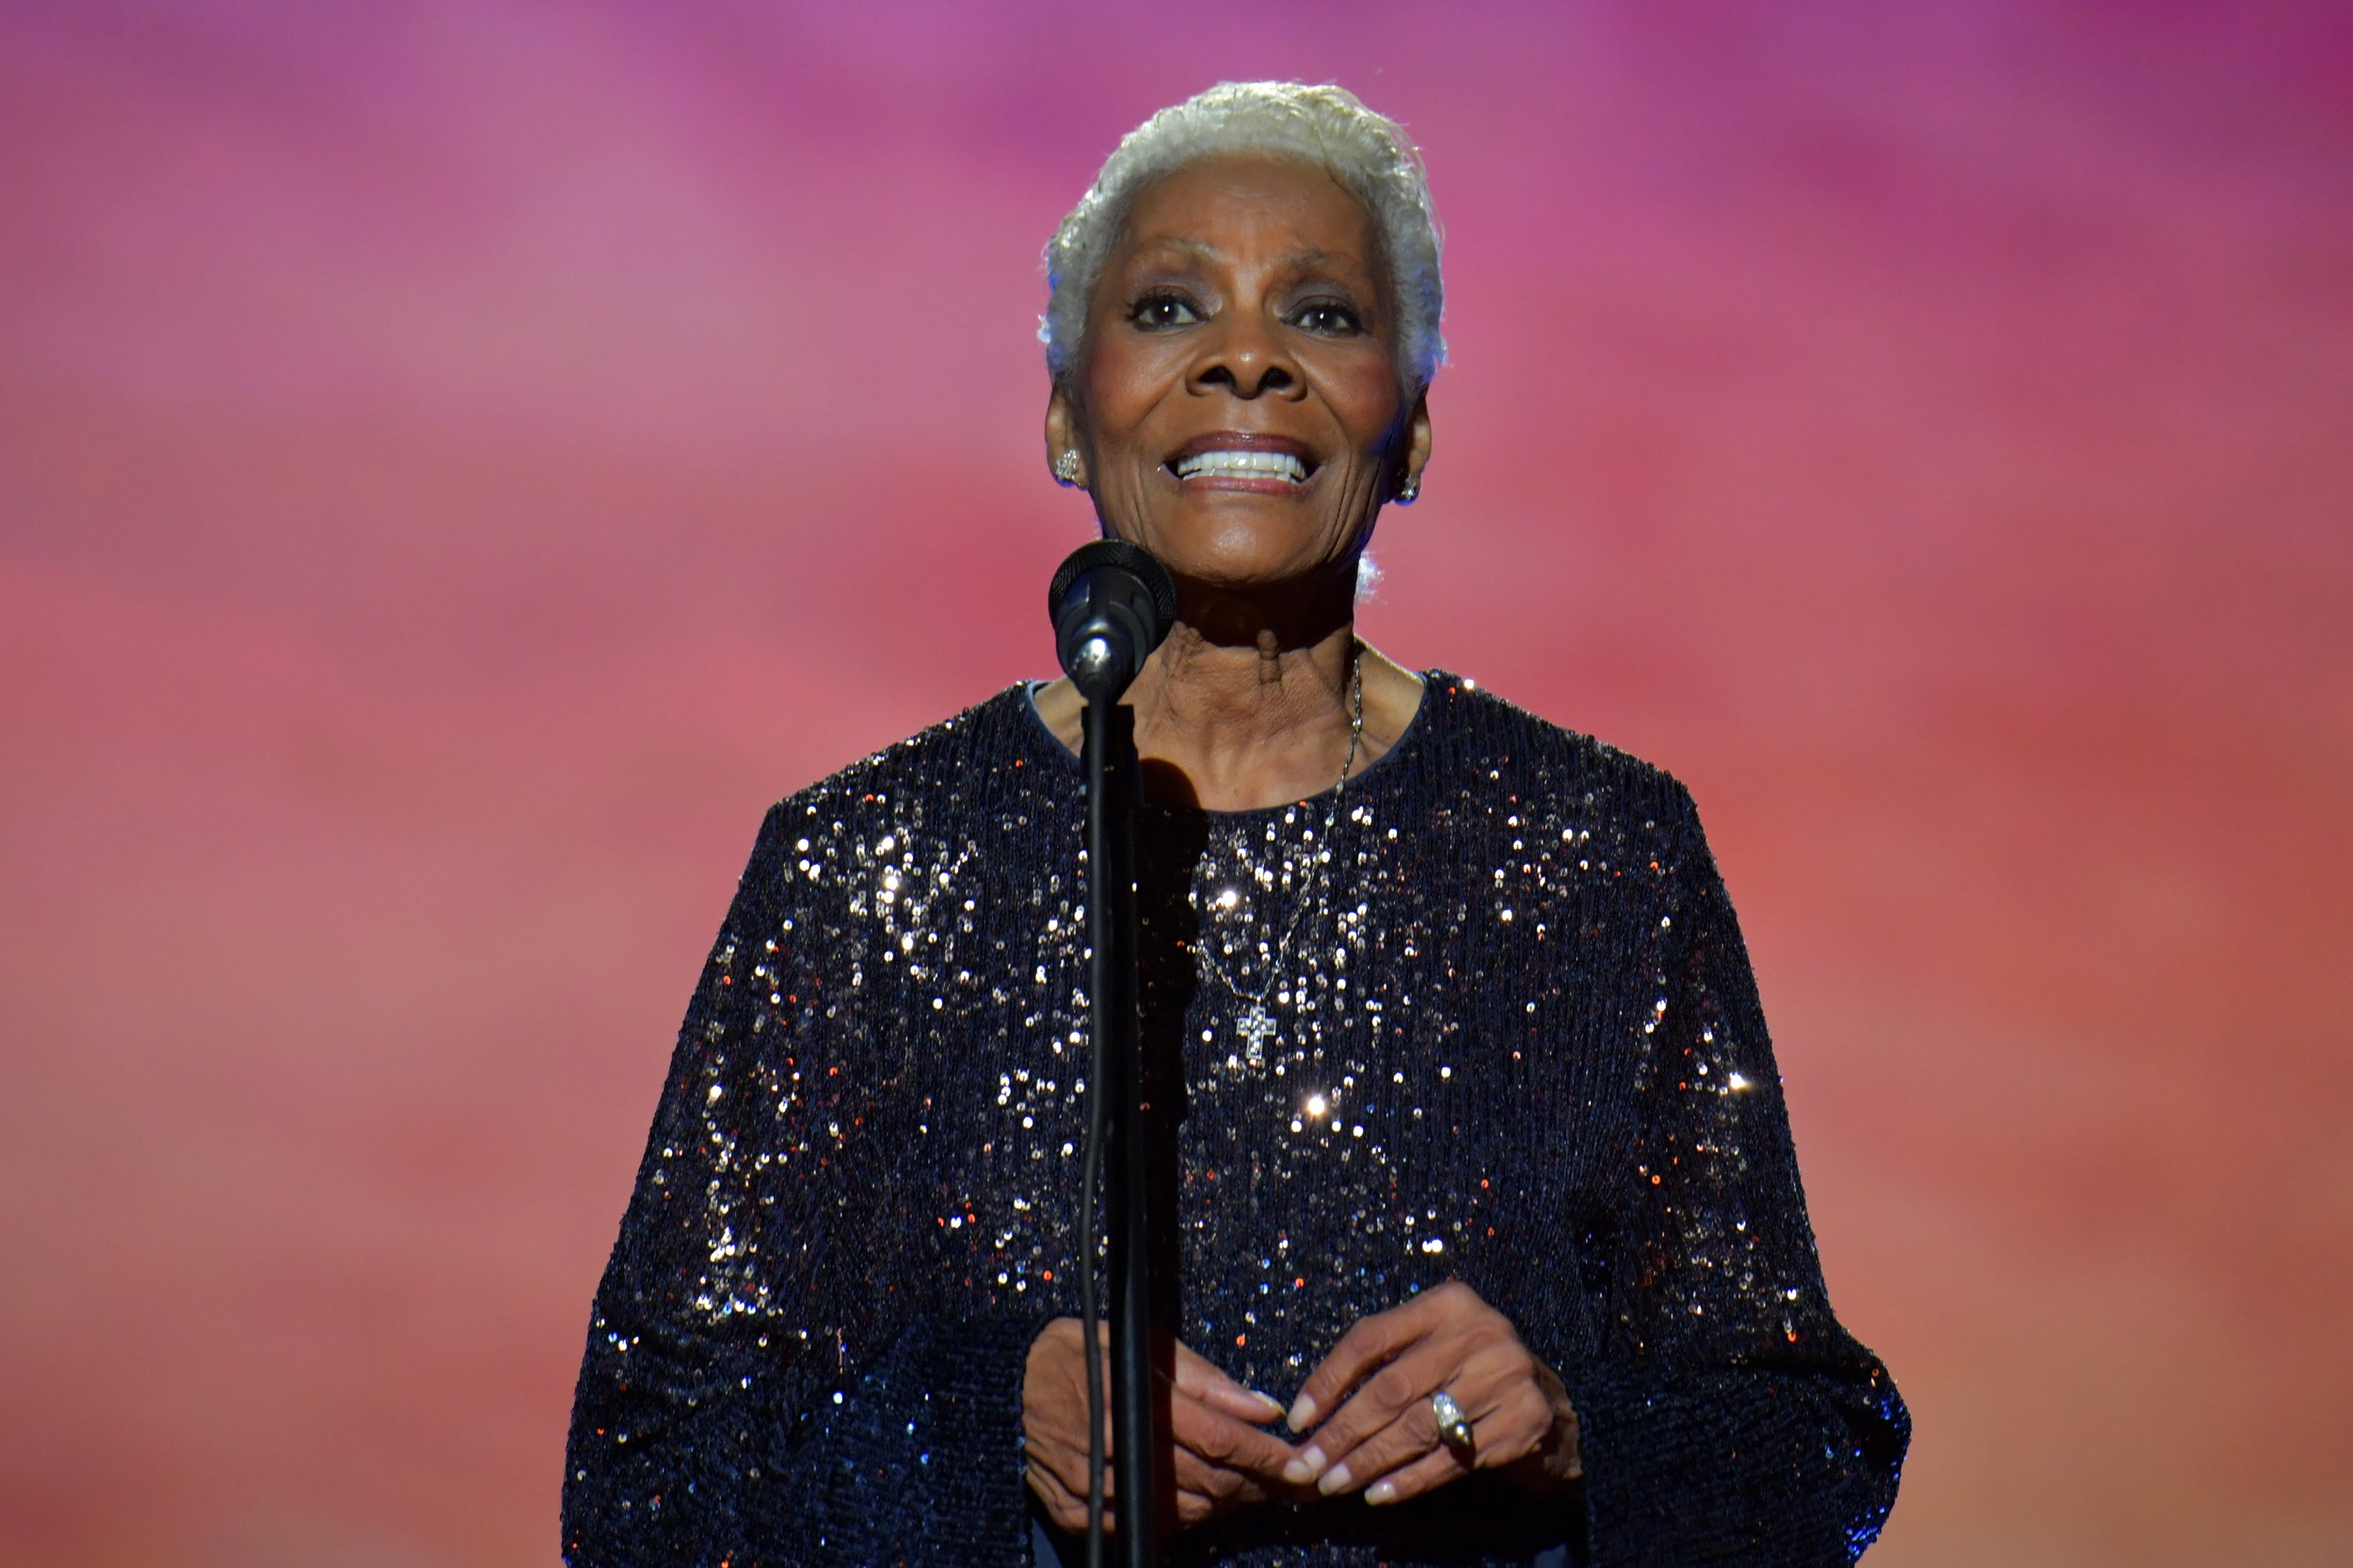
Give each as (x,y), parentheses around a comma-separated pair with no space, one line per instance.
(1380,1434)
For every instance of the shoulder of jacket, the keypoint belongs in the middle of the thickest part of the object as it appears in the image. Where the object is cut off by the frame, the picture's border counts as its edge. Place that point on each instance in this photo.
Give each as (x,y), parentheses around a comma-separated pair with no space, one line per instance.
(877,788)
(1508,733)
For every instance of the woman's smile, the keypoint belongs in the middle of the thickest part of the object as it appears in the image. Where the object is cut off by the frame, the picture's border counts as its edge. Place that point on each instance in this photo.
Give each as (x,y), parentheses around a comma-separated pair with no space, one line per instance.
(1241,461)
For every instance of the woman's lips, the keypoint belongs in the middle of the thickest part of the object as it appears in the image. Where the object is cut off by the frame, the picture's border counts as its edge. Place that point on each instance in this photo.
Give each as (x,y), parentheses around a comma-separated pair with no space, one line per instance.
(1244,461)
(1227,463)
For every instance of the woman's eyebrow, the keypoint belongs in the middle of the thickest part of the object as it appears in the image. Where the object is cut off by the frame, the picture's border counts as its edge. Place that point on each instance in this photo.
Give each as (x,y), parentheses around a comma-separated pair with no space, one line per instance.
(1344,269)
(1200,249)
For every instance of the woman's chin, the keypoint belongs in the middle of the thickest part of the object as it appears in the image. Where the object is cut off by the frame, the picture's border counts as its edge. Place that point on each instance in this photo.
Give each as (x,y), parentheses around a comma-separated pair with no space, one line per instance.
(1244,556)
(1248,577)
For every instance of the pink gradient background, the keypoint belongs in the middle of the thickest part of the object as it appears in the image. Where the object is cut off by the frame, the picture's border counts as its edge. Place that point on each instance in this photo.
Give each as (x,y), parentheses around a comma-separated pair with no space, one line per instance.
(442,447)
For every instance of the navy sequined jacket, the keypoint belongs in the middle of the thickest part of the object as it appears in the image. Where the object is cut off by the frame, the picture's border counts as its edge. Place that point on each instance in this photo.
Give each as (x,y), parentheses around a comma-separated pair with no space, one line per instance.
(1519,1046)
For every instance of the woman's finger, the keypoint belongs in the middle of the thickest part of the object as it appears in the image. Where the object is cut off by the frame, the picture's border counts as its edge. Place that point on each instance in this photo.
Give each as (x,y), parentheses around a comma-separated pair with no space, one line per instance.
(1068,1512)
(1222,1490)
(1398,1391)
(1221,1458)
(1066,1507)
(1426,1474)
(1368,1344)
(1509,1419)
(1215,1440)
(1408,1438)
(1213,1385)
(1197,1508)
(1510,1437)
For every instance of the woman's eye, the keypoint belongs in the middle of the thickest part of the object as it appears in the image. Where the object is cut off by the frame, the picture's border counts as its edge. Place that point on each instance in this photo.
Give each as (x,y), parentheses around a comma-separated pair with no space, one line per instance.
(1329,317)
(1163,310)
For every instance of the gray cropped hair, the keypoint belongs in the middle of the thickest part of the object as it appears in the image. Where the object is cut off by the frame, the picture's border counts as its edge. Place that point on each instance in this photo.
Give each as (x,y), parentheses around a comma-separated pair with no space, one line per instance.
(1367,152)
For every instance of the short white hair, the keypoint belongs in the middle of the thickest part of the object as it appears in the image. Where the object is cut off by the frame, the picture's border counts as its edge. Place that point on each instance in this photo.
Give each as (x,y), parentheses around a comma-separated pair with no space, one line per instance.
(1368,154)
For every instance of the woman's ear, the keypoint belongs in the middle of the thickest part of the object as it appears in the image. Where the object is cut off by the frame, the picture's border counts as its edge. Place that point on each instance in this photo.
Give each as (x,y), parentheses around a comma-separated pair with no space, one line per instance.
(1063,458)
(1406,483)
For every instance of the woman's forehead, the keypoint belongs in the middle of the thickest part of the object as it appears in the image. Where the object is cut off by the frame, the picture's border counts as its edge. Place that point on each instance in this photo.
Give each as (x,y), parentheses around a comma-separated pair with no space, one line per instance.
(1192,249)
(1224,210)
(1238,185)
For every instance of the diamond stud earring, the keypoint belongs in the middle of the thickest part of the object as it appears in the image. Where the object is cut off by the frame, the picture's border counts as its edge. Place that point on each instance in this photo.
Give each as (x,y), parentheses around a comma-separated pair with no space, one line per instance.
(1409,492)
(1067,467)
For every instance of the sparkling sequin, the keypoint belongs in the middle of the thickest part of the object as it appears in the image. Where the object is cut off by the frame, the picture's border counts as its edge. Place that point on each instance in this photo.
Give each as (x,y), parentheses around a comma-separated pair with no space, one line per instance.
(1513,1041)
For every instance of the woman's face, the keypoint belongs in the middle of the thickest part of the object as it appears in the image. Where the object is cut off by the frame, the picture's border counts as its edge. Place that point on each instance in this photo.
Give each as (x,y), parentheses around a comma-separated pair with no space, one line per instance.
(1236,406)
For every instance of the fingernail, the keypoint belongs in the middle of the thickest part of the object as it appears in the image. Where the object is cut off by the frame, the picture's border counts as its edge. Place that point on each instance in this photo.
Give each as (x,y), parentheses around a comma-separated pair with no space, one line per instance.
(1274,1406)
(1312,1458)
(1302,1413)
(1381,1491)
(1336,1481)
(1297,1473)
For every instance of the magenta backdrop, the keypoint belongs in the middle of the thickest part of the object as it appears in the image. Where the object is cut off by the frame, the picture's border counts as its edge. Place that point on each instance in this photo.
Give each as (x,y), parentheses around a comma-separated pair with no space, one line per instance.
(440,446)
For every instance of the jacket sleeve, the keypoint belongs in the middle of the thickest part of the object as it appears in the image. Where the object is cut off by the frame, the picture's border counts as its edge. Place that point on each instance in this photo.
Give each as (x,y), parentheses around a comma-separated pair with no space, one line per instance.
(1730,1417)
(772,1377)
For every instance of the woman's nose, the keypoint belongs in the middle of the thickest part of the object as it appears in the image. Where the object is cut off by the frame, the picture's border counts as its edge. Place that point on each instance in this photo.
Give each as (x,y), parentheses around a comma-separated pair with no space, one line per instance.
(1244,355)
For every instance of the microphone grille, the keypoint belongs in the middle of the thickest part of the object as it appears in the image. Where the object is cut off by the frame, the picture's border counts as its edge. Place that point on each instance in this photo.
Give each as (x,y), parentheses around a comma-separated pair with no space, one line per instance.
(1134,560)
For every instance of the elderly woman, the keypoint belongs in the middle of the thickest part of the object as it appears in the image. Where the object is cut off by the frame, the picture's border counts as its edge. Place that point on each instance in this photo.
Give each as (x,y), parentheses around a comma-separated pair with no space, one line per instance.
(1484,1229)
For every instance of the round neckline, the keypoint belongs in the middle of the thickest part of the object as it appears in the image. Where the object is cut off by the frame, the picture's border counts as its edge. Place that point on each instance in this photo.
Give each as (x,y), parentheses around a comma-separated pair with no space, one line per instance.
(1409,738)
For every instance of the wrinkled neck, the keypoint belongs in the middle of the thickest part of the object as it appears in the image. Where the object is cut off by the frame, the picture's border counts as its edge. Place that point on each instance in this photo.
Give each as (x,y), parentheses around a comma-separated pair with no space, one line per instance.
(1236,728)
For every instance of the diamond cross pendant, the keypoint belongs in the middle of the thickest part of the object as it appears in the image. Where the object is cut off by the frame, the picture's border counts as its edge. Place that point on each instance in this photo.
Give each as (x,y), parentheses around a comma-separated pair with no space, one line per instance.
(1257,1027)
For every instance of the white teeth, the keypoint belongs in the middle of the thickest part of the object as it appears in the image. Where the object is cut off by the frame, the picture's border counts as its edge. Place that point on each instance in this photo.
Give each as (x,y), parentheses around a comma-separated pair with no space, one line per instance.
(1241,465)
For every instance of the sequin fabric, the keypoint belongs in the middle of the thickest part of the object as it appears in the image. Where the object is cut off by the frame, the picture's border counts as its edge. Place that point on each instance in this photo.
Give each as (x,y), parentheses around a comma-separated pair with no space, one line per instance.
(1516,1043)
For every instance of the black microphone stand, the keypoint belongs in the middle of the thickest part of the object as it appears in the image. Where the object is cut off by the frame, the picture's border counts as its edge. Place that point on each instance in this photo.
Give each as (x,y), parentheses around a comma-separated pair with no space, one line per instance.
(1110,766)
(1111,604)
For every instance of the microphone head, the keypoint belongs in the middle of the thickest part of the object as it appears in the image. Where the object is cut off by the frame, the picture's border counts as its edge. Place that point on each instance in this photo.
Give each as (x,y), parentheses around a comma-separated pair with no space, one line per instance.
(1111,604)
(1137,562)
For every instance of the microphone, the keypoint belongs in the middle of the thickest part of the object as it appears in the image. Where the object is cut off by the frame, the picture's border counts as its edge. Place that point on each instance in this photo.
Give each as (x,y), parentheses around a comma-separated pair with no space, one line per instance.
(1112,603)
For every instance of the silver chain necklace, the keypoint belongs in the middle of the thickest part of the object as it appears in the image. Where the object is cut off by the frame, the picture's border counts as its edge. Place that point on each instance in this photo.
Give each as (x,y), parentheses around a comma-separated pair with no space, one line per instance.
(1257,1025)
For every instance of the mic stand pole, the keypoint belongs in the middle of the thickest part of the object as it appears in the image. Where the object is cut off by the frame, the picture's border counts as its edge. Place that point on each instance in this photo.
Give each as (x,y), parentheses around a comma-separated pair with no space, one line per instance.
(1111,777)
